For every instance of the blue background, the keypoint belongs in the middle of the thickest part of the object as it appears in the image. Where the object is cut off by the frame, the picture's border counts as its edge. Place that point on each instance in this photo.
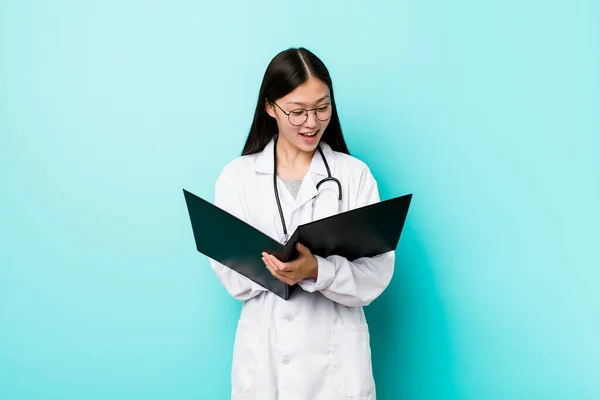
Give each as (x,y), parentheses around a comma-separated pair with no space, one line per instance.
(489,112)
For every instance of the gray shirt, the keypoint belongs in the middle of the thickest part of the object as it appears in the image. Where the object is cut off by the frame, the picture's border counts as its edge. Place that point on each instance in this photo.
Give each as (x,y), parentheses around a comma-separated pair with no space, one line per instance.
(293,186)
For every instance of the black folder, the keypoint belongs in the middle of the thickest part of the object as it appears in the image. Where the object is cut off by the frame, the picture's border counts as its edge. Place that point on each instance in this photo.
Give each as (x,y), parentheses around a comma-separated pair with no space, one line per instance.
(362,232)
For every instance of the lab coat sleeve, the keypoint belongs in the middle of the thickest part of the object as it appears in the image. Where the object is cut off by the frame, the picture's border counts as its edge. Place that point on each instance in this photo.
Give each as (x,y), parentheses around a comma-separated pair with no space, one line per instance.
(359,282)
(238,286)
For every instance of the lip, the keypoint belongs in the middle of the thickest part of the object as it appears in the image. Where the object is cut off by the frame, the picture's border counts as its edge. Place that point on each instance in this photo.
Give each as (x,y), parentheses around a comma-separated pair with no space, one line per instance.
(304,133)
(309,139)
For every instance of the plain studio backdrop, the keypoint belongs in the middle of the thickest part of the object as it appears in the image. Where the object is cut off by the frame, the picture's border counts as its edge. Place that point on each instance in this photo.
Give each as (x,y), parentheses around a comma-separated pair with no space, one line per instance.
(488,112)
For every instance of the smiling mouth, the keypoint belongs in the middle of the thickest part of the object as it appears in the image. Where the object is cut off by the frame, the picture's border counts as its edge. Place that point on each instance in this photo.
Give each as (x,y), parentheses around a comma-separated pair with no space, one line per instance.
(310,134)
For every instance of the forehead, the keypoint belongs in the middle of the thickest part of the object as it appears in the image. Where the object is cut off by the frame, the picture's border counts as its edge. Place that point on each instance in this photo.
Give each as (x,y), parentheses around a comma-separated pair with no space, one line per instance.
(308,93)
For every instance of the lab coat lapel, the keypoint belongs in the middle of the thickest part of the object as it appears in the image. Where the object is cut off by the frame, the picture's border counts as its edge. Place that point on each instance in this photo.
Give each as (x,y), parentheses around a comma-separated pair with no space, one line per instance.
(307,191)
(326,203)
(264,164)
(285,196)
(323,202)
(316,172)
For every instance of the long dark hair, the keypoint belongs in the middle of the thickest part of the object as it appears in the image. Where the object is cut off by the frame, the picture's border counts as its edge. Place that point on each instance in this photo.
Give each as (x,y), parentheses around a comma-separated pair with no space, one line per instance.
(286,71)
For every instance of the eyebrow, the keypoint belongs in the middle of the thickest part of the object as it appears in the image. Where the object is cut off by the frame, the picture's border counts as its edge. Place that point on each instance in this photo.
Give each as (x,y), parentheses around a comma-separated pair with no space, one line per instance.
(302,104)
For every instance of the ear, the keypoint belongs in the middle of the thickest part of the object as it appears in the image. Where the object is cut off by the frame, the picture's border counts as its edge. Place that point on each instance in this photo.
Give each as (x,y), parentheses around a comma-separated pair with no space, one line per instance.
(270,108)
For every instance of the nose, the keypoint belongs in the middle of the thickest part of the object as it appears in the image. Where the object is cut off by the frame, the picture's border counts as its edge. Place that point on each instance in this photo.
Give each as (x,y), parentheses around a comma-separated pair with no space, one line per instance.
(311,120)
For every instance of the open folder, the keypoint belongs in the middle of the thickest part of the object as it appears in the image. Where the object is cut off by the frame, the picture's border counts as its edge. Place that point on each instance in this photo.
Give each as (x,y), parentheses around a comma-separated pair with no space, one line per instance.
(362,232)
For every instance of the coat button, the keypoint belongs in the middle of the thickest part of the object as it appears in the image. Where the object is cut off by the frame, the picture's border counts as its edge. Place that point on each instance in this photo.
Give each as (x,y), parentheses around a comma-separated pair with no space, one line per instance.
(285,360)
(288,317)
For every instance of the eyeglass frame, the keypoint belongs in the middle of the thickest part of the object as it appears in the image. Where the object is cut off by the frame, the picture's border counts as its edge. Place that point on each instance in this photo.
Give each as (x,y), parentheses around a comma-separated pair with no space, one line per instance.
(305,113)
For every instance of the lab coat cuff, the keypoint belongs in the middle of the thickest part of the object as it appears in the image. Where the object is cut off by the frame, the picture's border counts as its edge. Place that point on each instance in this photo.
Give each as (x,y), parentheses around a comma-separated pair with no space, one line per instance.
(325,276)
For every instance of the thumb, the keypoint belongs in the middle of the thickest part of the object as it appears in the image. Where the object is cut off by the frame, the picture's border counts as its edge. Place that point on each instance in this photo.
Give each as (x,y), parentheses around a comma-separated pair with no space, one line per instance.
(301,248)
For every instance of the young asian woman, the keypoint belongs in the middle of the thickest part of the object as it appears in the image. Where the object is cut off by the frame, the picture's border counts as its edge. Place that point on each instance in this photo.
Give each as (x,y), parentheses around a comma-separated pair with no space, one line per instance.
(296,168)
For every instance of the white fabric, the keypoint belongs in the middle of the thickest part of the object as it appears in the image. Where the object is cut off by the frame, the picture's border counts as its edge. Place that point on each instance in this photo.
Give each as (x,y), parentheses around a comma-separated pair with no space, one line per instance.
(315,345)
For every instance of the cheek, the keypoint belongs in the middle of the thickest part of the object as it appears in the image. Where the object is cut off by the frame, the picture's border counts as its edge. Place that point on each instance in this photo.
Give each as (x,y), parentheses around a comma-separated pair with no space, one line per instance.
(282,126)
(324,126)
(287,129)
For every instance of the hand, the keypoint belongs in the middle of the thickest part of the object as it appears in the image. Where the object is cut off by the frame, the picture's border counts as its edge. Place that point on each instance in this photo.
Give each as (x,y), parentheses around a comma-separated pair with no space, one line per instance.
(305,266)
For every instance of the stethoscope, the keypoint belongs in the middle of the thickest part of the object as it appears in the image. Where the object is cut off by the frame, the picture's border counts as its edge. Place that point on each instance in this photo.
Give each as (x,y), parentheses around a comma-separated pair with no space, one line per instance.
(329,178)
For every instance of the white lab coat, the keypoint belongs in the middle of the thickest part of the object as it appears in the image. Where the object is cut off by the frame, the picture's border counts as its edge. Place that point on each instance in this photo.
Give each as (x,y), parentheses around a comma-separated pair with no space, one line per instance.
(315,345)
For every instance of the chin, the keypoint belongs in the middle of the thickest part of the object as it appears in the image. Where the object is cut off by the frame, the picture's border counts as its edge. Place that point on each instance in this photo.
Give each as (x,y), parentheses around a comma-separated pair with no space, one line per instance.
(309,147)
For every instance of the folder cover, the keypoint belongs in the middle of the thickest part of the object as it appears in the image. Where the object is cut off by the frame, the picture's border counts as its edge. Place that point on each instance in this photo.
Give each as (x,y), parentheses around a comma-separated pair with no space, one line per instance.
(362,232)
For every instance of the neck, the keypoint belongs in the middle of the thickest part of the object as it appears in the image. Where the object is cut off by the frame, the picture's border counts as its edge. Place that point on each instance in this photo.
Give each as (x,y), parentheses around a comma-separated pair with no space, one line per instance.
(292,162)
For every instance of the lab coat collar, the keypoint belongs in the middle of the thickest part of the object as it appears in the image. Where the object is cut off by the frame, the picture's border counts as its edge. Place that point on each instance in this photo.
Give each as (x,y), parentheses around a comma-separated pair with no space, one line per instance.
(308,188)
(264,161)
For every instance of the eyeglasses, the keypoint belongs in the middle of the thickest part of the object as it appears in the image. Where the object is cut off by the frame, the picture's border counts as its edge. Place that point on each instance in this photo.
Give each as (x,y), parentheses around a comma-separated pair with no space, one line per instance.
(299,116)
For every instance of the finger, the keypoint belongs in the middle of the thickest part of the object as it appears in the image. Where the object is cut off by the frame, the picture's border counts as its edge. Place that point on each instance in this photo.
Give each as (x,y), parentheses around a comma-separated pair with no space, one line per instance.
(287,277)
(301,248)
(287,268)
(278,264)
(277,274)
(270,267)
(269,261)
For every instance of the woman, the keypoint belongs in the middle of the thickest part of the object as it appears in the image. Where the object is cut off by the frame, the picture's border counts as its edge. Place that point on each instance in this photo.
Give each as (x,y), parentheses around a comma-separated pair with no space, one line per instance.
(316,344)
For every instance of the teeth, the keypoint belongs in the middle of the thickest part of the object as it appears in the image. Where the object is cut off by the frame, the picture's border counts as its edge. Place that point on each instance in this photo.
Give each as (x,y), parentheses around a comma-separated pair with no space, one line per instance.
(309,134)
